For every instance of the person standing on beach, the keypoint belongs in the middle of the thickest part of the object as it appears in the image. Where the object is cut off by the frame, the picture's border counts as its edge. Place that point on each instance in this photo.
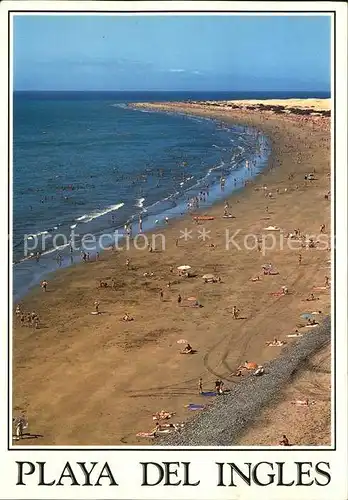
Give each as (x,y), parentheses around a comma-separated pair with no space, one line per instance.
(20,424)
(235,312)
(127,264)
(179,299)
(161,295)
(299,259)
(200,386)
(44,285)
(96,305)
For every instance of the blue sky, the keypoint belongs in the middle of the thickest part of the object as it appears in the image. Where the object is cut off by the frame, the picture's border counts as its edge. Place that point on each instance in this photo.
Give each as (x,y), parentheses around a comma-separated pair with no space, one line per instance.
(171,52)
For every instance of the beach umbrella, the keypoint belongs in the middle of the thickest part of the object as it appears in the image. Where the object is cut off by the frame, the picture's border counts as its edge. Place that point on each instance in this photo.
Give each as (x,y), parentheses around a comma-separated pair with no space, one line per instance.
(181,341)
(208,277)
(183,268)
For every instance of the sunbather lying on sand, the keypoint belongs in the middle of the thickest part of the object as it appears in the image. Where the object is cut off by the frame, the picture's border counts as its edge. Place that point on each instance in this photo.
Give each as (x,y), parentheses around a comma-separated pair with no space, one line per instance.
(259,371)
(256,278)
(311,322)
(275,343)
(166,427)
(302,402)
(311,297)
(127,317)
(269,270)
(163,415)
(295,334)
(279,293)
(187,350)
(248,365)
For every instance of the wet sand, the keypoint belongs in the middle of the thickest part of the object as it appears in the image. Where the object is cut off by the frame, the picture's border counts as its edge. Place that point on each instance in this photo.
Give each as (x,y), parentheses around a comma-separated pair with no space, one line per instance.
(96,380)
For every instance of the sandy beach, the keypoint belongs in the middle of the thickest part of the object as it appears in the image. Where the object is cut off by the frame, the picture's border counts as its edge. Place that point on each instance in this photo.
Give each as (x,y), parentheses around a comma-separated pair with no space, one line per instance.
(84,379)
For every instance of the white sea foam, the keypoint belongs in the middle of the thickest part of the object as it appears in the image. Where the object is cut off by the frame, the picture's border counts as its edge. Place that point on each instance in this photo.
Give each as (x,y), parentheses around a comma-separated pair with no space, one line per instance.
(96,214)
(140,202)
(54,249)
(41,233)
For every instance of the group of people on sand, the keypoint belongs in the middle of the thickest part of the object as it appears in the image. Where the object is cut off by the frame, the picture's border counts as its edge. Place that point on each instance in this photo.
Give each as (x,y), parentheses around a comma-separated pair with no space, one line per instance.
(30,319)
(105,284)
(219,386)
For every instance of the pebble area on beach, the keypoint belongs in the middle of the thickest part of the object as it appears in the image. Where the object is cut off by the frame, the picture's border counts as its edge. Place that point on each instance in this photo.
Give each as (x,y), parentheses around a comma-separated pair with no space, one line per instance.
(222,423)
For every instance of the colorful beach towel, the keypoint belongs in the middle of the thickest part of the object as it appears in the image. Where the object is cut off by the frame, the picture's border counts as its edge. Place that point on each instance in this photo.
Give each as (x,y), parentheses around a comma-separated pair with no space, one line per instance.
(194,407)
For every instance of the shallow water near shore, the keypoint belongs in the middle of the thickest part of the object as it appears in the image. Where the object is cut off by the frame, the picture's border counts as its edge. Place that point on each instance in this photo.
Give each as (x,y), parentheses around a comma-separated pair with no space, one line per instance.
(91,166)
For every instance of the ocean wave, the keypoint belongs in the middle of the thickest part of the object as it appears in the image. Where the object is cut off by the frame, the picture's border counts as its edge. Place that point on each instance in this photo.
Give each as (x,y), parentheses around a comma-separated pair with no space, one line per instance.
(55,249)
(96,214)
(140,203)
(121,105)
(33,235)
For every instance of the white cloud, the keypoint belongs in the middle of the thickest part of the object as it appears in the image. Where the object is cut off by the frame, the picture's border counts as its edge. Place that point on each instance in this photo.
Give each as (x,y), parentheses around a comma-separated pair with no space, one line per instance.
(177,70)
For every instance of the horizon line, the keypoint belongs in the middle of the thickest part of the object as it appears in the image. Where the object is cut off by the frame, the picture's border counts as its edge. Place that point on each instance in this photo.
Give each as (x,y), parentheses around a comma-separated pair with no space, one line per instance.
(176,90)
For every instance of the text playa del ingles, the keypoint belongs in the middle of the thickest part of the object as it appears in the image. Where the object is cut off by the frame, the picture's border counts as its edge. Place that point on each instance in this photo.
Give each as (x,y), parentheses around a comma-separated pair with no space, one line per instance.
(152,474)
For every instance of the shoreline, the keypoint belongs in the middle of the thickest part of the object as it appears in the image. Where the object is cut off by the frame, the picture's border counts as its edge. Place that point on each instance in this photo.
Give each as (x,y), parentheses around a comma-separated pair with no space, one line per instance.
(48,269)
(154,337)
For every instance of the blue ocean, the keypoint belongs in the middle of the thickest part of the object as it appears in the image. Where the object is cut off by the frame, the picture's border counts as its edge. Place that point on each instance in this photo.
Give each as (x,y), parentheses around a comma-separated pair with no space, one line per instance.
(86,162)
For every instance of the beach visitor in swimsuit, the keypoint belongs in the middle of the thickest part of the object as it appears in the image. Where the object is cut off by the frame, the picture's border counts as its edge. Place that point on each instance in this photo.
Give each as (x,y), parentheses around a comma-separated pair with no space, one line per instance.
(188,349)
(284,441)
(179,299)
(200,386)
(235,312)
